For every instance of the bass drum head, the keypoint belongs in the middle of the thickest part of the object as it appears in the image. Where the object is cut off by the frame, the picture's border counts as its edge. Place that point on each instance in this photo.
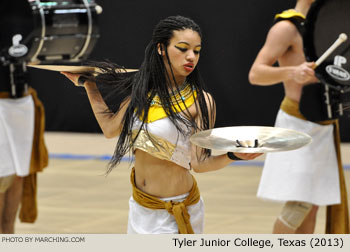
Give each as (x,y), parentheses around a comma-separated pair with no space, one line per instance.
(325,21)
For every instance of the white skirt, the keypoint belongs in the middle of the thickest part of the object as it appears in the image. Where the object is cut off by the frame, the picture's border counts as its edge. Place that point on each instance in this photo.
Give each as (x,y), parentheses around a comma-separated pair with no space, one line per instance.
(16,135)
(307,174)
(144,220)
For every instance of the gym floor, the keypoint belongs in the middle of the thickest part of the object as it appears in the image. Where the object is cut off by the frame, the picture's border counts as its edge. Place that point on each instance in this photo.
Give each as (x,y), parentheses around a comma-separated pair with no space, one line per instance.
(75,196)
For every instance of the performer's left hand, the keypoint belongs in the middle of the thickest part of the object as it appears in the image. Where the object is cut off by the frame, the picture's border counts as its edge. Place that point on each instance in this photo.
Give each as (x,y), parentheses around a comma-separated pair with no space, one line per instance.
(247,156)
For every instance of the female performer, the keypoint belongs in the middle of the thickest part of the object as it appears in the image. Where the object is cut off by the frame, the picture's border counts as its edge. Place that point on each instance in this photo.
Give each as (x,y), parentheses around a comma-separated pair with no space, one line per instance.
(166,103)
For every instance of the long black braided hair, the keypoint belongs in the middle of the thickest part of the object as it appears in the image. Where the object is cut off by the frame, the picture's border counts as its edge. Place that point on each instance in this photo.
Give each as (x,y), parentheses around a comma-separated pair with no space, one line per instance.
(153,79)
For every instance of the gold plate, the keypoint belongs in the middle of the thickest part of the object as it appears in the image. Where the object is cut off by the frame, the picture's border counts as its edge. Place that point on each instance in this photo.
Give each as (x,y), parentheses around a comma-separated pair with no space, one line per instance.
(73,69)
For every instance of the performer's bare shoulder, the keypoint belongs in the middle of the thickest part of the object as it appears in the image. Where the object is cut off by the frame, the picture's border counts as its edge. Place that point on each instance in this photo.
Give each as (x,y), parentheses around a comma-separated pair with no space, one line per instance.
(284,45)
(287,33)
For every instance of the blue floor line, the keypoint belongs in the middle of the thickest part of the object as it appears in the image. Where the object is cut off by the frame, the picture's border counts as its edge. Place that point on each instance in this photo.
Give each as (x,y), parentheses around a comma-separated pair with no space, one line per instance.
(79,157)
(108,157)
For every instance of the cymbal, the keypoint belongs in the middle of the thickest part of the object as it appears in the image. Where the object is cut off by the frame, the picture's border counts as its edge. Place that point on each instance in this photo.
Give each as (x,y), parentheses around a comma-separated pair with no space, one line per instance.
(250,139)
(74,69)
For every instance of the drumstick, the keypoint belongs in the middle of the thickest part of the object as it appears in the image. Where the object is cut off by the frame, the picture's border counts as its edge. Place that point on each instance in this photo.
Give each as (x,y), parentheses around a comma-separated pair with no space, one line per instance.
(342,37)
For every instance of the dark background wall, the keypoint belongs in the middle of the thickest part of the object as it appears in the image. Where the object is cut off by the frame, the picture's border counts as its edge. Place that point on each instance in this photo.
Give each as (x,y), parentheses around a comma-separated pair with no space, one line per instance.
(232,37)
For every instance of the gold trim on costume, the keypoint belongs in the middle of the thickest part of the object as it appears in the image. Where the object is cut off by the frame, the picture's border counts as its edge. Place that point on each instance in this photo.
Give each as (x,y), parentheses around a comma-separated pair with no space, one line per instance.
(292,108)
(162,149)
(289,13)
(180,101)
(337,217)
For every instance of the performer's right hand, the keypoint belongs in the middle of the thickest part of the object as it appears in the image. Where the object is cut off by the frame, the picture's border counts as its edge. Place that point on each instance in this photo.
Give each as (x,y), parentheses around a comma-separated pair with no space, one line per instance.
(304,73)
(72,77)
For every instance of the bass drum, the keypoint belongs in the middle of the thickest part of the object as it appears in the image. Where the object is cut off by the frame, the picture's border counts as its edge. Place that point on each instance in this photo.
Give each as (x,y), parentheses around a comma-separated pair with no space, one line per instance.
(325,21)
(48,31)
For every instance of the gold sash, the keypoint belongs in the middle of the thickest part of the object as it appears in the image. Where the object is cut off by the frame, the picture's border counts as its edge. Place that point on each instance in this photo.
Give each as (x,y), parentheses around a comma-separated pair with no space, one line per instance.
(337,220)
(178,209)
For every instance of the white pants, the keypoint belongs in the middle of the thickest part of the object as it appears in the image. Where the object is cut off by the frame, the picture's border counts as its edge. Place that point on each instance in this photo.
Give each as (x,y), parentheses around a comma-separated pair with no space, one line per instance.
(16,135)
(143,220)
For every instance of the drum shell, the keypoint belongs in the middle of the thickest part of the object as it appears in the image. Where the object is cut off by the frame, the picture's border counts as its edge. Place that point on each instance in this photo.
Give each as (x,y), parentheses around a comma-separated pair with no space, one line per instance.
(57,33)
(325,21)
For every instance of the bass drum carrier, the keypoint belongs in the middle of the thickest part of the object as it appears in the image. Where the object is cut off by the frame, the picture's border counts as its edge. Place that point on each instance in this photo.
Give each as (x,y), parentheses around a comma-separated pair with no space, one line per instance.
(325,21)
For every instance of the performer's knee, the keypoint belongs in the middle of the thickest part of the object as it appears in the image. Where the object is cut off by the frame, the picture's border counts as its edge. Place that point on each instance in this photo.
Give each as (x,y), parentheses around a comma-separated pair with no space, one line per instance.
(6,182)
(294,213)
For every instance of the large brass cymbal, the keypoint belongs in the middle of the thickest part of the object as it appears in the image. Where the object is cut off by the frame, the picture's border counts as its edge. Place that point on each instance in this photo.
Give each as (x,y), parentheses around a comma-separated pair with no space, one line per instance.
(250,139)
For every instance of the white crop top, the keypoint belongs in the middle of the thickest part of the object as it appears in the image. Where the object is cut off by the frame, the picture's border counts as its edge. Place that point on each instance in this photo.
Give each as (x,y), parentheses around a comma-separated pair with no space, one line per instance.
(163,140)
(170,144)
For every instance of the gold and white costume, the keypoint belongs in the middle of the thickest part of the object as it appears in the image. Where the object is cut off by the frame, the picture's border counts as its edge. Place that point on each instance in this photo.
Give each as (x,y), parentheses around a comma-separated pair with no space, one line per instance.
(178,214)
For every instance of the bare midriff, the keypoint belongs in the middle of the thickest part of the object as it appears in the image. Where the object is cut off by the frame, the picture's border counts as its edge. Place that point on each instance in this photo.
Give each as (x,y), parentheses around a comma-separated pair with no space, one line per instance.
(160,178)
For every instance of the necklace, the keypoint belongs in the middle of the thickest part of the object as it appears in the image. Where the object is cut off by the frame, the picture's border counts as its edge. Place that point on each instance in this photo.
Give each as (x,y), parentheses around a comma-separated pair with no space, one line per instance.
(178,96)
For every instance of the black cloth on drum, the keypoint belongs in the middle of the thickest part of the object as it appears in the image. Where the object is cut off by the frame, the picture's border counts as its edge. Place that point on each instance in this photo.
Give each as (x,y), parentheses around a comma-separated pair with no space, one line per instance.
(312,102)
(313,105)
